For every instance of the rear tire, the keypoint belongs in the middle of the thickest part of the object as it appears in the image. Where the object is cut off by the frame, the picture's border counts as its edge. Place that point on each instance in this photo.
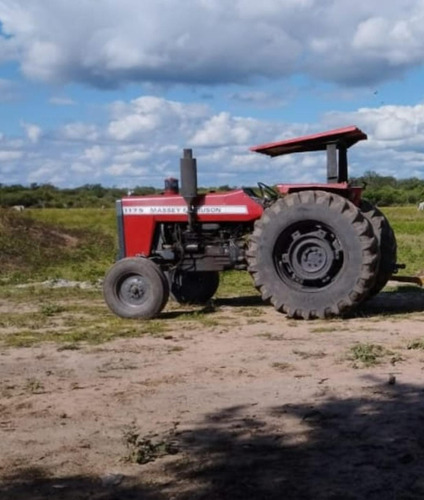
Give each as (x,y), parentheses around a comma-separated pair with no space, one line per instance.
(387,241)
(313,254)
(193,287)
(135,288)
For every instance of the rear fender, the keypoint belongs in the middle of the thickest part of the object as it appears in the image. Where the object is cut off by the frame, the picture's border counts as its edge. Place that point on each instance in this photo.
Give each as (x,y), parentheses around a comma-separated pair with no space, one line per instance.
(353,194)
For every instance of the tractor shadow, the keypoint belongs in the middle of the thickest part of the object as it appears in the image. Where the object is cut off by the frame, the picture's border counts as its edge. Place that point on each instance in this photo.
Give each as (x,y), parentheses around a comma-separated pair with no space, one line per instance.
(244,301)
(404,300)
(370,446)
(212,307)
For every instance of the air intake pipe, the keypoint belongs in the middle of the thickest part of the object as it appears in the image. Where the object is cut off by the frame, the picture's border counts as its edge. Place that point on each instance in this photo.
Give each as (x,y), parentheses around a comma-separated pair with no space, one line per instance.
(188,171)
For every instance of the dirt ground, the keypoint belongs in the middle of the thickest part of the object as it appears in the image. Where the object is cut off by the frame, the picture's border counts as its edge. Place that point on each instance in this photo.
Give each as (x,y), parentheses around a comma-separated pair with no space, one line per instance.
(254,406)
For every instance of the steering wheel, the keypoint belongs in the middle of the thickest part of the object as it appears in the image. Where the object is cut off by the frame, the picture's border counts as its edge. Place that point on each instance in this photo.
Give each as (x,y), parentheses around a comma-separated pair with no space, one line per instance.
(268,193)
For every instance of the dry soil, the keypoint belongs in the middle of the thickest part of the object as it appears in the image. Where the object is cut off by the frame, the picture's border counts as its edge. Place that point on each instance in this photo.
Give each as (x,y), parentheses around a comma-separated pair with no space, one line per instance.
(251,405)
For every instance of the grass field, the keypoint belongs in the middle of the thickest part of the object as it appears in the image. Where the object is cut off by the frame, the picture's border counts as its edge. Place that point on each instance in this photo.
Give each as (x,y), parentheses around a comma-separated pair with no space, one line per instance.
(80,244)
(103,220)
(76,244)
(408,225)
(91,261)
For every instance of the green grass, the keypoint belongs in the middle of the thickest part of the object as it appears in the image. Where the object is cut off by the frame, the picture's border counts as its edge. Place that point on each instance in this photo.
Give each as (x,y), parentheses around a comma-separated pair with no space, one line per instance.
(367,355)
(408,225)
(71,317)
(34,386)
(236,284)
(48,244)
(103,220)
(50,309)
(202,316)
(145,449)
(95,333)
(38,295)
(68,317)
(417,344)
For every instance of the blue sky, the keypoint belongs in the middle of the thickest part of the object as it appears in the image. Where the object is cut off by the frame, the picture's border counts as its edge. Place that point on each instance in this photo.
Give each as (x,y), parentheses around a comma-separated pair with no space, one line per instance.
(110,92)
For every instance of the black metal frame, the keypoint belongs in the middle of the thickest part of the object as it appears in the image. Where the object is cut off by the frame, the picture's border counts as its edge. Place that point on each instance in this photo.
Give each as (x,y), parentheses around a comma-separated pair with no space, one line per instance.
(337,168)
(120,224)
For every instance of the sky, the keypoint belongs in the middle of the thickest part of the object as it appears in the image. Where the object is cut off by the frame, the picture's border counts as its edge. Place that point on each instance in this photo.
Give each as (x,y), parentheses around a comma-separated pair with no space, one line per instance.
(110,92)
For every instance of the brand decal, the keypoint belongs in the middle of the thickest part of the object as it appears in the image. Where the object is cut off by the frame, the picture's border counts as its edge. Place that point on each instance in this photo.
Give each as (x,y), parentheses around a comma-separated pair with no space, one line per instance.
(181,210)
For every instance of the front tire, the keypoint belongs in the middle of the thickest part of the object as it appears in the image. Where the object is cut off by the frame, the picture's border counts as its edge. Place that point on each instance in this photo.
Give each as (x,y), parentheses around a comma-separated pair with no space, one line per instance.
(313,255)
(135,288)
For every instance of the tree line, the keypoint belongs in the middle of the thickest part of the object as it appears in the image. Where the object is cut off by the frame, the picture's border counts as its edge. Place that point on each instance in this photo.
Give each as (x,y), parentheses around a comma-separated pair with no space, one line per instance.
(387,190)
(49,196)
(380,190)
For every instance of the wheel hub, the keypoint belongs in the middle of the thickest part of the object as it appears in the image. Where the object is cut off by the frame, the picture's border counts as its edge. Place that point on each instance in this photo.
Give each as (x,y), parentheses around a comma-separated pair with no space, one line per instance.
(313,259)
(310,255)
(133,290)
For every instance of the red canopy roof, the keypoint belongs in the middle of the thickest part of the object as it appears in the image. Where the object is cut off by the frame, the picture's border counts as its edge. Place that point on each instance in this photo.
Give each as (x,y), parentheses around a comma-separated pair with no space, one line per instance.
(348,136)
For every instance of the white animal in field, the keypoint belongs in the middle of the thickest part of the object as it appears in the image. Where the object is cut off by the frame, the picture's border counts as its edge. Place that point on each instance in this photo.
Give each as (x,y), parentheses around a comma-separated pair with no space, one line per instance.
(18,208)
(421,206)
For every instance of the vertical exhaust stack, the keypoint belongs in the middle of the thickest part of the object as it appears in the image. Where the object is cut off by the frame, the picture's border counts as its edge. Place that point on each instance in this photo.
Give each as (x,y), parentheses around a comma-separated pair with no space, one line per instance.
(188,171)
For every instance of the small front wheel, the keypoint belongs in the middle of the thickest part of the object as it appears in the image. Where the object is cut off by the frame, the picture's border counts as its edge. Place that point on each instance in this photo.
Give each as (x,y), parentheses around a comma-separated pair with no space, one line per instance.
(135,288)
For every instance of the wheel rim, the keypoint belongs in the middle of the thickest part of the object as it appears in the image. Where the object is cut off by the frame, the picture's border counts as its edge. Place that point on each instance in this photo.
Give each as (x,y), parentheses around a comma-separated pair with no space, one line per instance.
(308,255)
(133,290)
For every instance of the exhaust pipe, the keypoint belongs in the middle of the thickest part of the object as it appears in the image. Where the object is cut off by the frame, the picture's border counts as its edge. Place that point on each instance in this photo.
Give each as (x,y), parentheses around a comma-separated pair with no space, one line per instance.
(188,171)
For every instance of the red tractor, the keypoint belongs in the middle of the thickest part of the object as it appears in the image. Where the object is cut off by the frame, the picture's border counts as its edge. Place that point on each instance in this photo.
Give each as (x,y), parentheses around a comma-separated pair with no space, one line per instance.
(314,250)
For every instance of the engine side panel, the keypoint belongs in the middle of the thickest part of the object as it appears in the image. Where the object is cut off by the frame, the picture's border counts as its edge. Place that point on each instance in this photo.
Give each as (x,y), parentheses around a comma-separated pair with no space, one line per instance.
(142,214)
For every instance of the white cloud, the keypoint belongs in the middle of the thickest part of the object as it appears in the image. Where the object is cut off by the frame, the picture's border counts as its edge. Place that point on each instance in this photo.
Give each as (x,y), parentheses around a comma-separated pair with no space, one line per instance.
(125,170)
(81,168)
(222,130)
(82,152)
(33,132)
(131,126)
(10,155)
(389,125)
(209,42)
(400,39)
(95,155)
(132,156)
(79,131)
(50,171)
(395,143)
(142,118)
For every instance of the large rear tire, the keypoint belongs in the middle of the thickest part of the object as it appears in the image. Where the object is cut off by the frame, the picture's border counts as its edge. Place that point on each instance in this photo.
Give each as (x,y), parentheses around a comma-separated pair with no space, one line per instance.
(313,255)
(193,287)
(135,288)
(387,241)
